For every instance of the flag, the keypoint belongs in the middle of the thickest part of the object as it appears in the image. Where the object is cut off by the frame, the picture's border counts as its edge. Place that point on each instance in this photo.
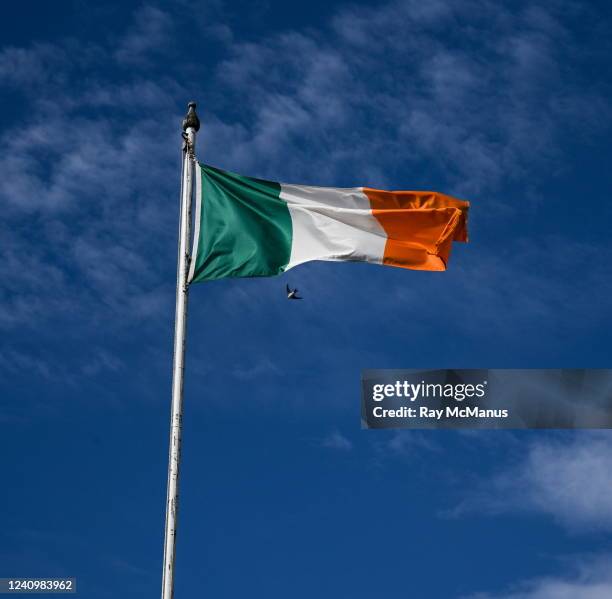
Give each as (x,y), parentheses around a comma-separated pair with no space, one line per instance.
(246,227)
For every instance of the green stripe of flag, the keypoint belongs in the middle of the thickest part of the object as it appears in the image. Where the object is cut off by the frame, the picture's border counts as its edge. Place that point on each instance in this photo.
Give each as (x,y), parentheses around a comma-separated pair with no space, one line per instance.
(244,227)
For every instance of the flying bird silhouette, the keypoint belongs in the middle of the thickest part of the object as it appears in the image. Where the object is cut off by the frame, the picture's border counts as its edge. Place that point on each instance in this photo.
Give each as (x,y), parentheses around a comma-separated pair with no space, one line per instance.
(292,293)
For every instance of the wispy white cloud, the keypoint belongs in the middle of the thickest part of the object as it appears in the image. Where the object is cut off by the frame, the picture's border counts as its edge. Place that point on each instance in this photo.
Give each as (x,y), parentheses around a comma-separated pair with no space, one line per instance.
(567,479)
(436,100)
(258,367)
(409,443)
(12,361)
(86,178)
(336,440)
(151,33)
(83,190)
(40,63)
(585,579)
(102,361)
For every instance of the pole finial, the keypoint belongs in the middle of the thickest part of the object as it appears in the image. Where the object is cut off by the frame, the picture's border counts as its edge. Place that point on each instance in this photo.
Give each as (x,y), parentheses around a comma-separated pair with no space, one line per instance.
(191,120)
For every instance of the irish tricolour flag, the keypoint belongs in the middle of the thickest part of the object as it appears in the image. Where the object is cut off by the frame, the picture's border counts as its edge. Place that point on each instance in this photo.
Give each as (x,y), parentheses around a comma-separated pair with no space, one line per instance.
(249,227)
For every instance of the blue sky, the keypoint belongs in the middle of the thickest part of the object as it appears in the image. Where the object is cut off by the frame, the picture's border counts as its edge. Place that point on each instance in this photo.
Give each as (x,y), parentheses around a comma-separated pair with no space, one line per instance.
(282,493)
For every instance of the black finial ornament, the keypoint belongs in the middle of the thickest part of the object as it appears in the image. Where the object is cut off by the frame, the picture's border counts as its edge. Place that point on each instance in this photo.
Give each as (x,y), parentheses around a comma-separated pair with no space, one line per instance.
(191,120)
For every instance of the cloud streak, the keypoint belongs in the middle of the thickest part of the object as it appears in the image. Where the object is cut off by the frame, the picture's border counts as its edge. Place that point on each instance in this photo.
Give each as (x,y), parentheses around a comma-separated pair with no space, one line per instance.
(566,478)
(591,580)
(336,440)
(437,104)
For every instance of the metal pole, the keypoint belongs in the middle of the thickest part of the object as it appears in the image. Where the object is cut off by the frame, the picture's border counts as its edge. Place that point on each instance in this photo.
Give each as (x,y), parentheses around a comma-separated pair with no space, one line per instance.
(191,124)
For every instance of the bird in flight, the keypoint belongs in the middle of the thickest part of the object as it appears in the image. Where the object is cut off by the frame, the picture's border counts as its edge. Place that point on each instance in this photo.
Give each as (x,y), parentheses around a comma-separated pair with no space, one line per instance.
(292,293)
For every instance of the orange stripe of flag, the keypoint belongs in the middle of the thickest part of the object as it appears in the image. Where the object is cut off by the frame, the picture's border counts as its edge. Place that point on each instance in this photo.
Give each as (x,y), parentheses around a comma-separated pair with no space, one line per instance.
(420,226)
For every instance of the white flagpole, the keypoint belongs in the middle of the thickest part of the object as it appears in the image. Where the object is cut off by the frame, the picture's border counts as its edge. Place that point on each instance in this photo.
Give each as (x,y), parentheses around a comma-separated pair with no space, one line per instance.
(191,124)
